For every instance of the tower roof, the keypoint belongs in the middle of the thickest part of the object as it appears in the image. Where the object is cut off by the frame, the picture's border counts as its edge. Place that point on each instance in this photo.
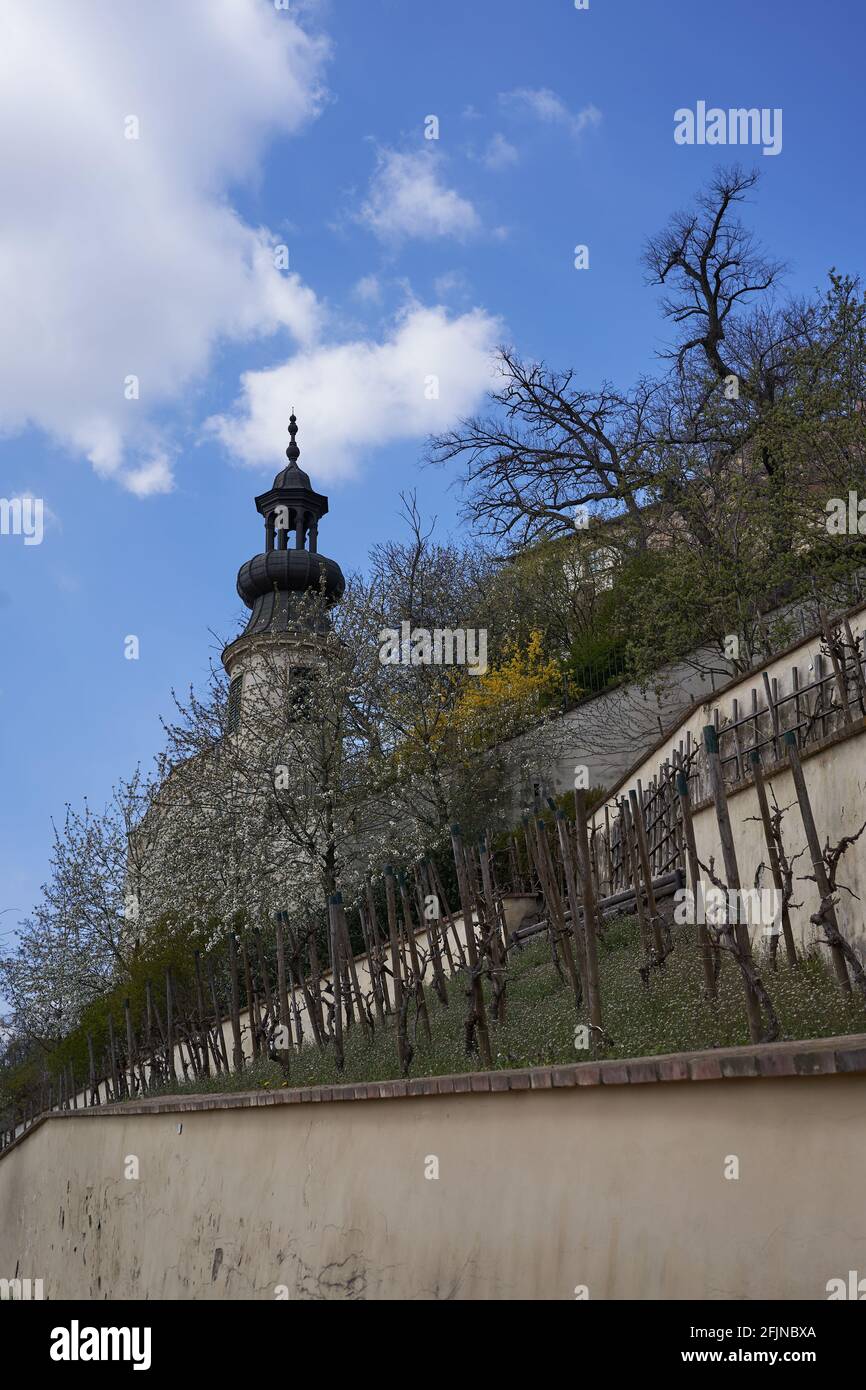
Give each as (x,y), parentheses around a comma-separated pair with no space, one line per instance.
(272,582)
(293,476)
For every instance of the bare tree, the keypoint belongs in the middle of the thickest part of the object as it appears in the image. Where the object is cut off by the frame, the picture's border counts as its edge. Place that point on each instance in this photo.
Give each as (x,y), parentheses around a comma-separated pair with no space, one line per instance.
(549,447)
(711,265)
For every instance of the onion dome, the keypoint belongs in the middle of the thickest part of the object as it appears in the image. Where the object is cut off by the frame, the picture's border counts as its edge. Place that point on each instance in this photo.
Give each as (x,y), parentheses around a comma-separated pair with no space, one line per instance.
(270,584)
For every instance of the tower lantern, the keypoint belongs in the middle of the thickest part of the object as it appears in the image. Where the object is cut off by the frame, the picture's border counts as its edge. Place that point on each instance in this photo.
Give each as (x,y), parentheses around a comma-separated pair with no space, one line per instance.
(273,583)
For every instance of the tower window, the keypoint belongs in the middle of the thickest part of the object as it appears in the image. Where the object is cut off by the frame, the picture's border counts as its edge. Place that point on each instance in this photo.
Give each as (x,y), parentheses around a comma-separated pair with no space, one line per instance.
(234,710)
(300,692)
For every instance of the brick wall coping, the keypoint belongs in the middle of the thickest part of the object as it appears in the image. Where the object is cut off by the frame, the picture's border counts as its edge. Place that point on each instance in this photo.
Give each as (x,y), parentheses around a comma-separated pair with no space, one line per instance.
(812,1057)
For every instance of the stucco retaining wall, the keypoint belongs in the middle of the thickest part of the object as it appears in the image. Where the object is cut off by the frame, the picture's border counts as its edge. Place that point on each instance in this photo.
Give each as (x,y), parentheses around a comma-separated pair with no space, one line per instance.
(608,1176)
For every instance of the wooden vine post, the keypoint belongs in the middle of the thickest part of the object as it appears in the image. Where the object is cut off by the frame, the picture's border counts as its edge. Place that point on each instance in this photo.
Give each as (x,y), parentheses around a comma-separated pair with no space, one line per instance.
(817,857)
(710,981)
(237,1044)
(409,928)
(337,978)
(589,911)
(732,873)
(396,968)
(282,987)
(772,852)
(646,873)
(498,960)
(477,1015)
(348,954)
(202,1021)
(221,1053)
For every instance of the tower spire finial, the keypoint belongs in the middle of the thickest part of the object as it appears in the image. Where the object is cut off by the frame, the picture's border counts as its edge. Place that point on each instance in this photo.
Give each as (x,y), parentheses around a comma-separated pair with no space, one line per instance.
(293,452)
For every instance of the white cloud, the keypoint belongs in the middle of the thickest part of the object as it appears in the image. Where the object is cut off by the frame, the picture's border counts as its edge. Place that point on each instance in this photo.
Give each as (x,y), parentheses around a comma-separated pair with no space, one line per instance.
(407,198)
(124,256)
(368,289)
(355,396)
(151,477)
(451,282)
(546,106)
(500,153)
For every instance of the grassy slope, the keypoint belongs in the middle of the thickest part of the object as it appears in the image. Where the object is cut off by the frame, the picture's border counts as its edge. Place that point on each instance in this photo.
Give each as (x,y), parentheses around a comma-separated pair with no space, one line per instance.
(668,1016)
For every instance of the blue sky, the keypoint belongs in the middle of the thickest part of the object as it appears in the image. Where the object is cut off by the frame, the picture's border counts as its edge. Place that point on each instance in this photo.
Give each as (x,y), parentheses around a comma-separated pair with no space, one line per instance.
(407,257)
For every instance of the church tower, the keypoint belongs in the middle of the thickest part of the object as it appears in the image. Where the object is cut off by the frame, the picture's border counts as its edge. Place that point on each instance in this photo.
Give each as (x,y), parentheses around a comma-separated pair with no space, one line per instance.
(272,584)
